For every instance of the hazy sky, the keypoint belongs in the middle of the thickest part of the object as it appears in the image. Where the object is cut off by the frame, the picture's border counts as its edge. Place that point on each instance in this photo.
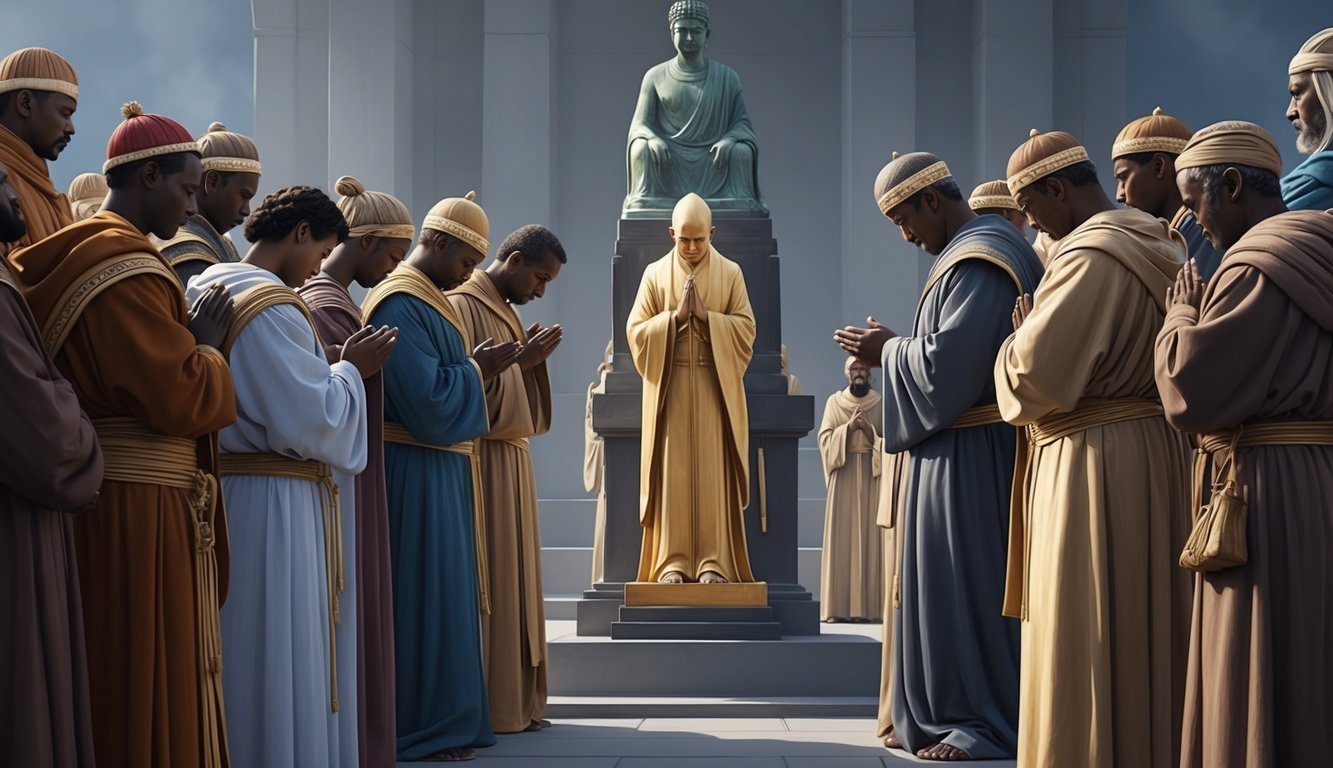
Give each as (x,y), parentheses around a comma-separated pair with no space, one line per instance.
(191,60)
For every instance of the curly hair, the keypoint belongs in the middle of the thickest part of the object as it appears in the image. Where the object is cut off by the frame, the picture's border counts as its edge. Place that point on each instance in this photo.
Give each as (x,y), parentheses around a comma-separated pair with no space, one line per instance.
(533,241)
(283,210)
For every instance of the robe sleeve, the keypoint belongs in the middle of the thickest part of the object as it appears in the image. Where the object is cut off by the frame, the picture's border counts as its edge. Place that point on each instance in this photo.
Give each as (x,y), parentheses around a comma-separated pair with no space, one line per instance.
(1046,365)
(650,329)
(49,453)
(144,357)
(930,380)
(334,323)
(438,401)
(832,439)
(290,400)
(1211,370)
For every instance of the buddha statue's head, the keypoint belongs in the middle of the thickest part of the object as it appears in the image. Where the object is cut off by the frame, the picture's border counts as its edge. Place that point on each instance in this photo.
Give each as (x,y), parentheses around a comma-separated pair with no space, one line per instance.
(688,23)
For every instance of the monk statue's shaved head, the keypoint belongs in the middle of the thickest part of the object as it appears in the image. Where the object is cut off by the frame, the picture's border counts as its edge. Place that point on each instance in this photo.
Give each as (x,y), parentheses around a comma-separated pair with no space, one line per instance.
(691,208)
(692,228)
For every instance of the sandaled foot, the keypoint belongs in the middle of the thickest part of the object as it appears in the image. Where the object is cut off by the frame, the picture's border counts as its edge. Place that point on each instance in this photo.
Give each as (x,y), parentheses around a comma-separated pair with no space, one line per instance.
(712,577)
(942,751)
(537,725)
(453,755)
(672,577)
(834,620)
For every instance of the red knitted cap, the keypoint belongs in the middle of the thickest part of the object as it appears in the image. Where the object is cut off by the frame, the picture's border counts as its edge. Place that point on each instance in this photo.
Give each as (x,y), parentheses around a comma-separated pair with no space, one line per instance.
(143,135)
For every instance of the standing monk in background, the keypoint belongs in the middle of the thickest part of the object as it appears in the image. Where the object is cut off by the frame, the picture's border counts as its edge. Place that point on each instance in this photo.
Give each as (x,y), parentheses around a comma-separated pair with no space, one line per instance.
(381,231)
(1309,186)
(38,95)
(851,573)
(518,404)
(1100,517)
(153,553)
(691,333)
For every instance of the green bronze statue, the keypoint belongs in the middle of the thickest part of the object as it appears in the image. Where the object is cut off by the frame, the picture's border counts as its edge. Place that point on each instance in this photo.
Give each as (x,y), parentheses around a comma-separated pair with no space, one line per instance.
(690,131)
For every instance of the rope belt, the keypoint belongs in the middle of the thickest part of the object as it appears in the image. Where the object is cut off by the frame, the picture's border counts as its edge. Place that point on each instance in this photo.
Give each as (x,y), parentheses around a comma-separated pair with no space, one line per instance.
(397,433)
(1088,414)
(273,465)
(1253,434)
(980,416)
(132,454)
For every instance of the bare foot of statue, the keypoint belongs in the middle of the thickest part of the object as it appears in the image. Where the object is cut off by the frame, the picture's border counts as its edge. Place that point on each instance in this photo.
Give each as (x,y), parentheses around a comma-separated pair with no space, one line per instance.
(453,755)
(672,577)
(891,740)
(712,577)
(942,751)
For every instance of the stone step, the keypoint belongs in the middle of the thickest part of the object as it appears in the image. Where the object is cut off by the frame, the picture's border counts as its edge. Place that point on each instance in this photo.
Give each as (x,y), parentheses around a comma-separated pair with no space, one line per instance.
(704,706)
(566,571)
(696,630)
(692,613)
(561,607)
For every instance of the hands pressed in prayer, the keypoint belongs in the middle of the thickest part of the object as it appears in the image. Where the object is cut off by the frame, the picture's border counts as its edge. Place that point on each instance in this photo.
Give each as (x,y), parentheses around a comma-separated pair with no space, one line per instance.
(493,358)
(860,423)
(541,343)
(1022,308)
(369,348)
(1188,288)
(690,303)
(211,316)
(721,151)
(865,344)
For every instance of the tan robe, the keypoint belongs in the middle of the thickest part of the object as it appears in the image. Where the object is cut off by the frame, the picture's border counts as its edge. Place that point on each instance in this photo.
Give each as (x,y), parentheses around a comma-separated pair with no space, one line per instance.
(593,469)
(851,582)
(694,470)
(45,208)
(1104,635)
(519,406)
(888,511)
(1261,348)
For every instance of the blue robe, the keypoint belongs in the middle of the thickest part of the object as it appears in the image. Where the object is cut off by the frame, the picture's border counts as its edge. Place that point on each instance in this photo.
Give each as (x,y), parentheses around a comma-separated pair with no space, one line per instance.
(1199,246)
(1309,186)
(955,657)
(433,389)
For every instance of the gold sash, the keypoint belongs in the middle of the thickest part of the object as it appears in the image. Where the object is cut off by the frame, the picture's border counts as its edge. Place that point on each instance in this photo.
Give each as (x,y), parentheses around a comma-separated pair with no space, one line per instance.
(274,465)
(132,454)
(255,300)
(1253,434)
(1089,413)
(980,416)
(397,433)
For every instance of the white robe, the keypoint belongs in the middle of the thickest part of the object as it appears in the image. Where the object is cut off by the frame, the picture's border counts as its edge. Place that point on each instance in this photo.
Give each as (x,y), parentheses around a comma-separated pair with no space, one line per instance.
(289,401)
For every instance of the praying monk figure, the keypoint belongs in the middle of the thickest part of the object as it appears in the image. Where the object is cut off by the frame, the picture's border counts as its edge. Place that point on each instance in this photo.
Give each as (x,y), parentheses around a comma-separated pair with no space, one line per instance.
(1100,513)
(691,334)
(594,466)
(380,233)
(86,194)
(690,131)
(50,464)
(1249,358)
(38,95)
(1309,186)
(1143,161)
(154,552)
(231,178)
(851,565)
(955,692)
(518,404)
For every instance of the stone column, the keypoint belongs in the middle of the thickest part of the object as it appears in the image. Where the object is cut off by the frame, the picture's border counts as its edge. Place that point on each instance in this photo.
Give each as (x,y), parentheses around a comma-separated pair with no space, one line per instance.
(1013,64)
(291,93)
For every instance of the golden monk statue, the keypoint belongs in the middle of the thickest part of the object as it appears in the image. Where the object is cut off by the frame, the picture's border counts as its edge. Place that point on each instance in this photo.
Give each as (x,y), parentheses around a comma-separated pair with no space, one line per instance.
(691,333)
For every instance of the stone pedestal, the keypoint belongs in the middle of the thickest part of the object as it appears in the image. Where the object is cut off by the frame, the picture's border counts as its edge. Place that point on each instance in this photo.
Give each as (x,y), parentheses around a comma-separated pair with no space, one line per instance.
(777,422)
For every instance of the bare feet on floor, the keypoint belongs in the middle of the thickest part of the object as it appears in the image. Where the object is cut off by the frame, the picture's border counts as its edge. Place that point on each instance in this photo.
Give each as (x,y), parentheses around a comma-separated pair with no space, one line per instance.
(891,740)
(672,577)
(453,755)
(537,725)
(712,577)
(942,752)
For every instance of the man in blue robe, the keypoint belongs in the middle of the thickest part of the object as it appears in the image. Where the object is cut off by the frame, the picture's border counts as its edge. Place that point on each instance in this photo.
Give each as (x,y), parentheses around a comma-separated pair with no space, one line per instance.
(434,409)
(955,657)
(1309,186)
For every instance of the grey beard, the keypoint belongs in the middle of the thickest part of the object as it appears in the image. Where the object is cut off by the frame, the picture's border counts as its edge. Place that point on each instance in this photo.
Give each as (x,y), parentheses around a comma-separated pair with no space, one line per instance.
(860,390)
(1310,136)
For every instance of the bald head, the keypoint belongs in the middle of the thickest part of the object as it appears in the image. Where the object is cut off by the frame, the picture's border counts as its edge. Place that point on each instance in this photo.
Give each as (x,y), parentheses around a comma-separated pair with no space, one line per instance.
(692,228)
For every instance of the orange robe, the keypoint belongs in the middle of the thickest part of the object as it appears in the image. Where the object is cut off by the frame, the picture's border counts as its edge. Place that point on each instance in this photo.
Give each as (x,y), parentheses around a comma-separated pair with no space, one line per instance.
(132,355)
(45,208)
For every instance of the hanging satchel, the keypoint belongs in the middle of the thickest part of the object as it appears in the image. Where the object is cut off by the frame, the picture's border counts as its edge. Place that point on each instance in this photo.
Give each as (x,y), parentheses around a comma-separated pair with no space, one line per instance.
(1218,539)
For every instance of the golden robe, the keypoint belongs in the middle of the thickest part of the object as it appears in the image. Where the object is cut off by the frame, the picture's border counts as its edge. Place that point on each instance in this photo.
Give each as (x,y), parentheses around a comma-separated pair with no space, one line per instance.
(891,494)
(694,479)
(519,405)
(45,208)
(851,582)
(1106,605)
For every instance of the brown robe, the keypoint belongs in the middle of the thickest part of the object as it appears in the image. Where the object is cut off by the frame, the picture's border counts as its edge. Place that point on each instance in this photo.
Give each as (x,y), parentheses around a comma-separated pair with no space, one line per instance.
(519,406)
(1261,348)
(49,461)
(337,317)
(1104,635)
(131,354)
(851,579)
(45,208)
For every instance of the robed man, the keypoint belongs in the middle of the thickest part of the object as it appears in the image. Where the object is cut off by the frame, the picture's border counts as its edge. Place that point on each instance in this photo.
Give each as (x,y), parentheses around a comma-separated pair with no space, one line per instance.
(955,693)
(153,553)
(1246,363)
(50,464)
(851,562)
(691,334)
(518,406)
(1309,186)
(434,409)
(38,95)
(1100,517)
(380,233)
